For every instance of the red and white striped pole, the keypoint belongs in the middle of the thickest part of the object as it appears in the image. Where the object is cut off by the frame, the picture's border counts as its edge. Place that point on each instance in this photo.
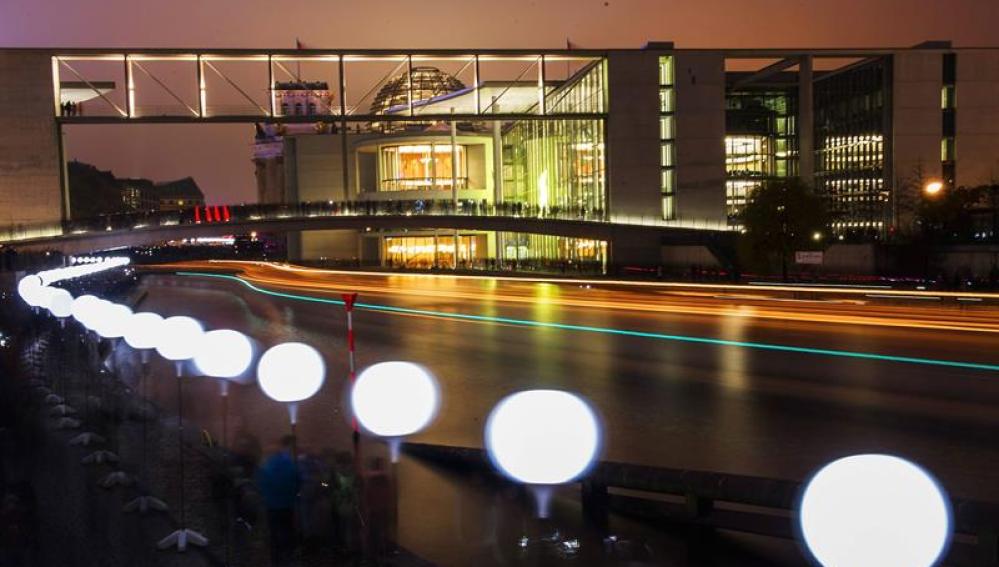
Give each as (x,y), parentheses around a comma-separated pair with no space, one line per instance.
(348,303)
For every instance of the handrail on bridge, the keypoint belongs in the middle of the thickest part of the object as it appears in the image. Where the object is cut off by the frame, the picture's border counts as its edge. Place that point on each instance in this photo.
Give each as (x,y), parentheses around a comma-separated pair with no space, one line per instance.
(209,214)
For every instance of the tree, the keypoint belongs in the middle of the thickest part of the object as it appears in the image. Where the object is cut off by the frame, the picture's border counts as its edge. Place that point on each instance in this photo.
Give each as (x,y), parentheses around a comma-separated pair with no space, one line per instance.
(783,216)
(948,216)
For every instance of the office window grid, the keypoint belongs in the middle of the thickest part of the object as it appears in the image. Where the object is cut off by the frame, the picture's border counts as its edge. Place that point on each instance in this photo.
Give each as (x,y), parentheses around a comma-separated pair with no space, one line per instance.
(850,134)
(667,136)
(948,109)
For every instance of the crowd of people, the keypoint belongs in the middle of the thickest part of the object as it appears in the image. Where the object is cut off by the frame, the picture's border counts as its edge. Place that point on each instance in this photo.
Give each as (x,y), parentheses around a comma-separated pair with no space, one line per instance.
(326,503)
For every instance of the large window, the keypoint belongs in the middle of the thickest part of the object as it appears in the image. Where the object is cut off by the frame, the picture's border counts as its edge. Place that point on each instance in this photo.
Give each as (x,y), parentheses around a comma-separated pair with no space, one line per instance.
(421,167)
(667,137)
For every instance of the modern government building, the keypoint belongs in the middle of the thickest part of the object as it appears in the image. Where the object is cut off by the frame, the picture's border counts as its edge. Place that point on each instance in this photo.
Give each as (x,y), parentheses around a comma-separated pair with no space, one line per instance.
(657,135)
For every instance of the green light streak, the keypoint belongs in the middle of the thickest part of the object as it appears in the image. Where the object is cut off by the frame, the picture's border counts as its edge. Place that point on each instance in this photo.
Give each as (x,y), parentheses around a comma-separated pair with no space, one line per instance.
(610,331)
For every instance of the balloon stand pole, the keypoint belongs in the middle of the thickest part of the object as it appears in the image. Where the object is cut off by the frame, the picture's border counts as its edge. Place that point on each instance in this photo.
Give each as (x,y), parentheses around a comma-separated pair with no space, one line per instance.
(183,536)
(223,445)
(542,500)
(144,502)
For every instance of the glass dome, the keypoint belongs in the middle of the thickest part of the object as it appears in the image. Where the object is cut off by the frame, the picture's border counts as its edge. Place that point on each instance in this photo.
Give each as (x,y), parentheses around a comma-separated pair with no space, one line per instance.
(428,82)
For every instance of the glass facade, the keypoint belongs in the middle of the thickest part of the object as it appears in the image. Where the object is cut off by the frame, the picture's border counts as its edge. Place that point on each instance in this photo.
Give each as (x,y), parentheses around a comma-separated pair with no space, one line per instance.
(948,108)
(667,136)
(420,167)
(584,93)
(760,142)
(546,253)
(433,251)
(556,166)
(851,117)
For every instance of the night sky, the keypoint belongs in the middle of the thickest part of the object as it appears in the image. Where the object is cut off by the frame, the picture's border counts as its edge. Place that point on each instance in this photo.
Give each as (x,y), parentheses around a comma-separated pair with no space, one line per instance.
(219,156)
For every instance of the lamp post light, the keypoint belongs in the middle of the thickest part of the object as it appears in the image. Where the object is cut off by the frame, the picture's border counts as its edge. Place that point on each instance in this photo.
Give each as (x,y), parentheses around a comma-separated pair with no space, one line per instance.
(874,511)
(291,373)
(225,355)
(933,188)
(180,338)
(143,334)
(542,438)
(395,399)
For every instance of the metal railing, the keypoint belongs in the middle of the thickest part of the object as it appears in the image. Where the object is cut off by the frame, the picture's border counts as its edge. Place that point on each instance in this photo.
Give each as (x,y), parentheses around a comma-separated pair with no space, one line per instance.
(400,208)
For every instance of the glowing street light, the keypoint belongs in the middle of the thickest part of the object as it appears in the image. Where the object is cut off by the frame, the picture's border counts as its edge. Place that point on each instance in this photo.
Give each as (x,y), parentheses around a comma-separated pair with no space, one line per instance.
(933,188)
(875,511)
(395,399)
(542,438)
(223,353)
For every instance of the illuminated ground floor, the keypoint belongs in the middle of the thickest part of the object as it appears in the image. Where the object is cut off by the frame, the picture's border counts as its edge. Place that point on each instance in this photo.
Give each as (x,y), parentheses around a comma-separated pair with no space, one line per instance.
(435,249)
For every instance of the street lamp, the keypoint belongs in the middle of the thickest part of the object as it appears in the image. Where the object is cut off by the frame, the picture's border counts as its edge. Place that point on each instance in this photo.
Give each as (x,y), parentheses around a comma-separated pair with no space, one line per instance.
(542,438)
(874,511)
(393,400)
(290,373)
(933,188)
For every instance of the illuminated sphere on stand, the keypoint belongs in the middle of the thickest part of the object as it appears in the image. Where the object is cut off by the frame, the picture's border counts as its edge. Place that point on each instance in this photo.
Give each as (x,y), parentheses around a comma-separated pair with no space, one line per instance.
(180,338)
(112,320)
(223,353)
(542,436)
(291,372)
(28,289)
(144,332)
(394,399)
(875,511)
(60,303)
(83,308)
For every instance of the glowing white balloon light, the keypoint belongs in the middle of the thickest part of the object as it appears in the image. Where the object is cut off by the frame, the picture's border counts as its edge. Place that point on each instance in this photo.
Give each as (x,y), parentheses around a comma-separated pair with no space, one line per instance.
(143,330)
(875,511)
(393,399)
(291,372)
(111,320)
(542,436)
(28,288)
(83,308)
(223,354)
(180,338)
(60,303)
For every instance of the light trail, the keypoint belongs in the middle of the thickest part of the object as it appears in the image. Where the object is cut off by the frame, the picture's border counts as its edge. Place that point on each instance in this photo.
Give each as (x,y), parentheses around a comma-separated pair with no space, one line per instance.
(845,289)
(607,330)
(660,302)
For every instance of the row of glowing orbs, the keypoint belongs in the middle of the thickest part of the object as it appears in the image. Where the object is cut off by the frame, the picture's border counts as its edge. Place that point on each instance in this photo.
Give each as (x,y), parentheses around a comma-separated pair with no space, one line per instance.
(864,510)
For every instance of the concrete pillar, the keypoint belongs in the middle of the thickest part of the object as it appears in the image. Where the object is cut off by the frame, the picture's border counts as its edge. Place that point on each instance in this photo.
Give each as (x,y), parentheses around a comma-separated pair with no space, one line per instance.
(806,122)
(31,189)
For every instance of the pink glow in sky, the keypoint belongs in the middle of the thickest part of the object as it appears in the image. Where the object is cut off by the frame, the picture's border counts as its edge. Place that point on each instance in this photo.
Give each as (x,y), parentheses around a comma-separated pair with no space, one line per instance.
(219,156)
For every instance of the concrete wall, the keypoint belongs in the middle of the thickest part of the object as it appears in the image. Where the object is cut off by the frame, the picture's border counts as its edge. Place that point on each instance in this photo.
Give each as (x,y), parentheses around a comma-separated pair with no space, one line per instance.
(633,134)
(329,245)
(30,176)
(977,114)
(700,136)
(318,168)
(916,115)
